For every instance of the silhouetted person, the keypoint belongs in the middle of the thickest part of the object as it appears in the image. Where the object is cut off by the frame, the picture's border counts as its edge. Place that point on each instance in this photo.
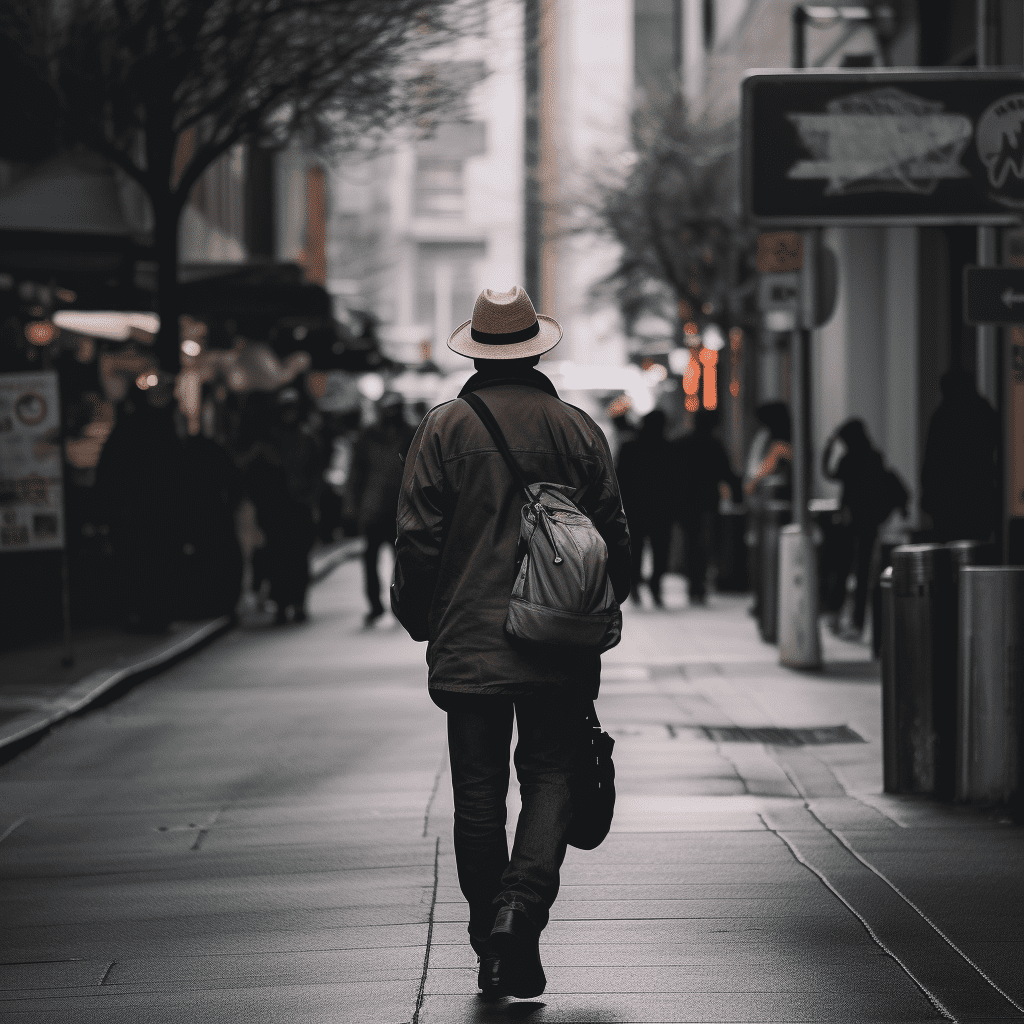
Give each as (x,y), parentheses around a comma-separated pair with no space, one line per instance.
(213,556)
(377,467)
(702,465)
(645,481)
(863,476)
(140,480)
(283,476)
(960,475)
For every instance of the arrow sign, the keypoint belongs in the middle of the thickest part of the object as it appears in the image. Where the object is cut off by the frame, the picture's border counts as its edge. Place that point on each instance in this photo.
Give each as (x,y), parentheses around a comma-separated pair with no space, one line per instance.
(993,295)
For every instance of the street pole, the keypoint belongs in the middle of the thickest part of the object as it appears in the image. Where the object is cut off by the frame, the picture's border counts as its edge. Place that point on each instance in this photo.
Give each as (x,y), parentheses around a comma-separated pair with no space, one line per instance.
(986,338)
(799,634)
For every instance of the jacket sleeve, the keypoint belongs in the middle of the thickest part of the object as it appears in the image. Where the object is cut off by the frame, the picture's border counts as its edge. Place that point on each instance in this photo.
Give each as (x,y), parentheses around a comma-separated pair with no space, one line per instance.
(421,531)
(603,503)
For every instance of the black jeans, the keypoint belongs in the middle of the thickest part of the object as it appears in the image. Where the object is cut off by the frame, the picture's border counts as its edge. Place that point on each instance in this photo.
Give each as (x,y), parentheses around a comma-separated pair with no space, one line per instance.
(479,736)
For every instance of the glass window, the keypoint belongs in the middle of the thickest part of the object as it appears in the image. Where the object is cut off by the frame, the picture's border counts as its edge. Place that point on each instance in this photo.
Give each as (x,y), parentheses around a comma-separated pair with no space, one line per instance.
(440,189)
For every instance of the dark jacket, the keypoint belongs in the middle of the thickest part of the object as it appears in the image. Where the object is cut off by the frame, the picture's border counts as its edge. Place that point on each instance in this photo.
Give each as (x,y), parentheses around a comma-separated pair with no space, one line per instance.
(458,531)
(377,475)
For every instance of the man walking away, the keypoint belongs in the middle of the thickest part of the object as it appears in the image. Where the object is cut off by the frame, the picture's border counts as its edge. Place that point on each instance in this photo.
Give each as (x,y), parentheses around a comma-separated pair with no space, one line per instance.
(703,466)
(459,517)
(960,475)
(644,473)
(376,480)
(864,508)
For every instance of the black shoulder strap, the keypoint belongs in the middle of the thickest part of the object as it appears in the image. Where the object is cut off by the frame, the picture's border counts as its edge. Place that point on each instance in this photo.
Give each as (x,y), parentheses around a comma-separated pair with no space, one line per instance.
(479,406)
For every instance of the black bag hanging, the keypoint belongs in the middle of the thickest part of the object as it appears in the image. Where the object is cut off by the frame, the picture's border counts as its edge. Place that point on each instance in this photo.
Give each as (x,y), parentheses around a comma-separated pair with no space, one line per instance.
(593,786)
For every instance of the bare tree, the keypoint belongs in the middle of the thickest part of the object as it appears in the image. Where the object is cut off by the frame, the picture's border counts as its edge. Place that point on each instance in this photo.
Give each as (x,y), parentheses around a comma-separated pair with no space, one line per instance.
(673,207)
(163,88)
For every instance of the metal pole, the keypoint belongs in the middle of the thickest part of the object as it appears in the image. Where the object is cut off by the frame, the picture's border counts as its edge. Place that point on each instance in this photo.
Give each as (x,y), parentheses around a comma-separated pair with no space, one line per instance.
(799,36)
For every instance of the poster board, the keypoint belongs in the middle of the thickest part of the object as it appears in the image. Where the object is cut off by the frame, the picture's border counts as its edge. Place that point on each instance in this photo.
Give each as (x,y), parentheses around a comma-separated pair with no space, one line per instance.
(31,468)
(883,147)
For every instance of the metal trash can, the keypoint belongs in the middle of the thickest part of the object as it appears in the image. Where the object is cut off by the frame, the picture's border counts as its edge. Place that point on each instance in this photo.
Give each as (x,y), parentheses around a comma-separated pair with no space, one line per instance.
(924,669)
(990,701)
(774,515)
(890,734)
(885,550)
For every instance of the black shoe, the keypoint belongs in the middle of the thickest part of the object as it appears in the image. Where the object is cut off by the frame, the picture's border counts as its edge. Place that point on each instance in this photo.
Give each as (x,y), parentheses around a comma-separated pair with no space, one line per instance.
(371,617)
(511,964)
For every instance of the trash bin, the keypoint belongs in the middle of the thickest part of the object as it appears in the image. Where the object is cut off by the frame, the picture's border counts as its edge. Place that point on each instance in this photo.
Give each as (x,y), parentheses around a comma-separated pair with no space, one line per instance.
(924,669)
(990,702)
(774,515)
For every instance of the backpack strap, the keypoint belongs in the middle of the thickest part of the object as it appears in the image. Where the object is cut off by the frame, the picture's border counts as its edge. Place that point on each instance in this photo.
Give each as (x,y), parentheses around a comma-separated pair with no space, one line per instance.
(479,406)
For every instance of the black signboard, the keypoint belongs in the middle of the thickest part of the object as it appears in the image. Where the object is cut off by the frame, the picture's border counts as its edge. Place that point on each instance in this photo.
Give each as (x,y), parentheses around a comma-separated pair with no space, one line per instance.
(944,146)
(993,295)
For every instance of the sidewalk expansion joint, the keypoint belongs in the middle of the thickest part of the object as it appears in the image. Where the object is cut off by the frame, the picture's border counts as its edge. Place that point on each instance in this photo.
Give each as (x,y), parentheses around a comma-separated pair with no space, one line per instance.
(936,1003)
(437,782)
(430,936)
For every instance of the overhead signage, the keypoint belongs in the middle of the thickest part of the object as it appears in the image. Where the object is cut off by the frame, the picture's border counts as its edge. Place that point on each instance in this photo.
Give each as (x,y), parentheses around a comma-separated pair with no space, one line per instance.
(884,147)
(993,295)
(31,467)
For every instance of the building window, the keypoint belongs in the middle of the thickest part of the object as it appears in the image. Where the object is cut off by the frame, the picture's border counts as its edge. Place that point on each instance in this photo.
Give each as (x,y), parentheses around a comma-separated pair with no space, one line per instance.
(440,188)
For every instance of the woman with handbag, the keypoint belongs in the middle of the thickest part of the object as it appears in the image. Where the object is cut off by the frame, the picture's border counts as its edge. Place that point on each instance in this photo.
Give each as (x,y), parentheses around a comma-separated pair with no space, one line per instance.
(505,495)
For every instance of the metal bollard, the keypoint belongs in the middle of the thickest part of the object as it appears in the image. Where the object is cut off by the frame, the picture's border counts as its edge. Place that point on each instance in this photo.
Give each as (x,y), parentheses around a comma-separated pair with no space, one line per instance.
(990,701)
(924,669)
(890,732)
(774,515)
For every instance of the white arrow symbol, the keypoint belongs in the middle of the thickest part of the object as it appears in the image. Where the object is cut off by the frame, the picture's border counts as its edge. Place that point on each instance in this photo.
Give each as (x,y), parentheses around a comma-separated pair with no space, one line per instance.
(1011,298)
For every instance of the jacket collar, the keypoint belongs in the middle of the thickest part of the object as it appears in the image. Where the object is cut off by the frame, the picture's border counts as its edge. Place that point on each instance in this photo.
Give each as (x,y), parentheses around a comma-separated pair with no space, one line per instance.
(528,377)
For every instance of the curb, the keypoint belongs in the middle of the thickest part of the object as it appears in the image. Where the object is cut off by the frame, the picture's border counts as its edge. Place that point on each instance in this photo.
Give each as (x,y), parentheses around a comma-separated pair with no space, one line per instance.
(107,684)
(101,687)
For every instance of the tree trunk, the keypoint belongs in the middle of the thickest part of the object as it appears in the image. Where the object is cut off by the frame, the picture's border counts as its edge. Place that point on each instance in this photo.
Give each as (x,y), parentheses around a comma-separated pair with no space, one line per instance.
(166,213)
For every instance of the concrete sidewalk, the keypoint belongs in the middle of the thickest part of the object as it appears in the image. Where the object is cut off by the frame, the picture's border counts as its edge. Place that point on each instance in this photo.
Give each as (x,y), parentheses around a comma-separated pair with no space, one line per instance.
(265,836)
(756,881)
(39,688)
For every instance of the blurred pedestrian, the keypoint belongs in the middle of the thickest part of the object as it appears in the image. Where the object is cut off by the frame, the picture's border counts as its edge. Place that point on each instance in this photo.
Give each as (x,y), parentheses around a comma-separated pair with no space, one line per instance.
(960,478)
(704,478)
(140,479)
(283,474)
(459,519)
(645,480)
(866,502)
(377,465)
(212,564)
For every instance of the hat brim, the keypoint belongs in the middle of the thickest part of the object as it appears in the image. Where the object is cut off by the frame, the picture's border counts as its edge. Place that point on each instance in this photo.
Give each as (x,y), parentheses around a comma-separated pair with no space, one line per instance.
(547,338)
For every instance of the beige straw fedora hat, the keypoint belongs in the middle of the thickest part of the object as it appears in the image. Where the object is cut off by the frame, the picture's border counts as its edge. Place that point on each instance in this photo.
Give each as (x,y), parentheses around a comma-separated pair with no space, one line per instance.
(505,326)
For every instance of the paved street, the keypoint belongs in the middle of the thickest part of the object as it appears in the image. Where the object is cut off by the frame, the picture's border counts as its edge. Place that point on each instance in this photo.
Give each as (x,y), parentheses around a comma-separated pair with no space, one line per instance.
(262,834)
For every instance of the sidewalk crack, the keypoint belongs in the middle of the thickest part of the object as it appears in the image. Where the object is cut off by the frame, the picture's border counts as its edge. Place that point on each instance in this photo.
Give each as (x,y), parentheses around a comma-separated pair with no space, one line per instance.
(800,859)
(430,936)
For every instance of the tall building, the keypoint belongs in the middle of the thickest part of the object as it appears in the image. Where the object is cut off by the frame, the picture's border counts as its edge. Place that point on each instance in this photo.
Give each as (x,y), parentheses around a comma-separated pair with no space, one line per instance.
(418,229)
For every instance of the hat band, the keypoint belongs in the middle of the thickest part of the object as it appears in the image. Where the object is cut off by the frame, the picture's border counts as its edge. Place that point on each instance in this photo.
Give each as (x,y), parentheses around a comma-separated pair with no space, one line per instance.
(506,339)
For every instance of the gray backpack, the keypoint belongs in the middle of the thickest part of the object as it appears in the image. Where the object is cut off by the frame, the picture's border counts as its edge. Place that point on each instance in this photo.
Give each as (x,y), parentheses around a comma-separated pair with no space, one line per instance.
(562,596)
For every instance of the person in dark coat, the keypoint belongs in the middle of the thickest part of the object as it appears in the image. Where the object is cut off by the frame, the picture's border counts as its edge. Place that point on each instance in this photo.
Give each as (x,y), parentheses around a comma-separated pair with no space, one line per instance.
(140,479)
(459,517)
(960,476)
(702,465)
(377,466)
(283,474)
(212,569)
(644,470)
(861,471)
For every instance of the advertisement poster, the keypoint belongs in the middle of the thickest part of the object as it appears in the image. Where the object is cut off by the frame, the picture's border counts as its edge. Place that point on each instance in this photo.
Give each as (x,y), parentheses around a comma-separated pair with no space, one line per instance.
(31,479)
